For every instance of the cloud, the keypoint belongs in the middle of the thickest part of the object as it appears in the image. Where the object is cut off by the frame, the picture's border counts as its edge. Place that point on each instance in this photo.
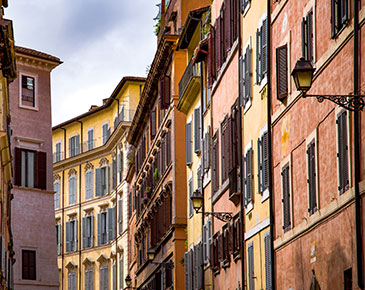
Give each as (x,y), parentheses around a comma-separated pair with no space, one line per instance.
(99,42)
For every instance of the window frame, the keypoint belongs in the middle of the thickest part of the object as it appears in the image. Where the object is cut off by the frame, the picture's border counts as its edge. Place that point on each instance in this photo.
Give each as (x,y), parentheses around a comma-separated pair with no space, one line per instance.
(248,204)
(73,176)
(58,153)
(310,139)
(35,278)
(92,129)
(57,182)
(35,91)
(105,138)
(287,162)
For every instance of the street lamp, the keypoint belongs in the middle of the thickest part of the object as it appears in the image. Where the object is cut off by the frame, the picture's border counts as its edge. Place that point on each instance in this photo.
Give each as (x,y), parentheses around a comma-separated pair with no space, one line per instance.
(303,77)
(151,256)
(197,200)
(128,282)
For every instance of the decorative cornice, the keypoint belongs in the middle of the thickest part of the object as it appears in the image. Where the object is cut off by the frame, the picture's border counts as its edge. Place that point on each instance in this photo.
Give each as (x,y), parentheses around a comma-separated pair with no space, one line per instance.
(71,266)
(102,259)
(87,262)
(56,177)
(88,166)
(71,172)
(103,162)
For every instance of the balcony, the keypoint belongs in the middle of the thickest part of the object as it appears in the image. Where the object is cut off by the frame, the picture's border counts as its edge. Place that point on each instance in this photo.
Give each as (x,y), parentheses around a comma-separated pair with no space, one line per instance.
(189,85)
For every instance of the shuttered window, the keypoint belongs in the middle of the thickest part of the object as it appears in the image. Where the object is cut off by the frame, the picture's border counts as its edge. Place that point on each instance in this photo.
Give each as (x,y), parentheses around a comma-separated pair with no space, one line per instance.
(312,190)
(165,92)
(261,52)
(191,209)
(120,216)
(245,4)
(30,168)
(207,238)
(58,238)
(89,279)
(56,189)
(111,223)
(226,142)
(104,278)
(74,146)
(72,190)
(87,231)
(251,273)
(102,228)
(263,162)
(89,184)
(101,181)
(189,141)
(58,154)
(236,236)
(29,265)
(206,150)
(153,124)
(71,281)
(245,77)
(71,236)
(90,139)
(121,273)
(120,164)
(285,177)
(268,270)
(339,16)
(343,151)
(282,72)
(168,147)
(215,161)
(307,36)
(212,70)
(248,176)
(105,132)
(197,131)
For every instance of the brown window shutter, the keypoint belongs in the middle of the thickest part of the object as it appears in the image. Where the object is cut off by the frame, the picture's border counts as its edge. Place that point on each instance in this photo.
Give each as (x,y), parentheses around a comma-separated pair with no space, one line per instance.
(41,169)
(230,239)
(227,24)
(18,166)
(165,87)
(153,123)
(282,72)
(220,247)
(222,38)
(312,177)
(217,45)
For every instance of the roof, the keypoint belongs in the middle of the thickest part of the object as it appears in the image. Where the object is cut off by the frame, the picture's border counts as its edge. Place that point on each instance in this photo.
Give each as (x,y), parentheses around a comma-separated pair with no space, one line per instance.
(106,104)
(36,53)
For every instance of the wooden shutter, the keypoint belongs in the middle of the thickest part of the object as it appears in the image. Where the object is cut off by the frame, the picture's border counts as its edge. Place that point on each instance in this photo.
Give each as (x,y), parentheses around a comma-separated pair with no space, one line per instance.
(110,224)
(120,217)
(249,175)
(18,166)
(333,18)
(282,72)
(165,92)
(268,279)
(91,234)
(68,235)
(84,233)
(260,165)
(99,229)
(186,270)
(309,35)
(188,150)
(264,48)
(344,11)
(200,265)
(286,197)
(197,126)
(98,185)
(40,172)
(258,56)
(265,160)
(241,77)
(217,45)
(312,177)
(153,123)
(212,56)
(74,235)
(227,26)
(77,145)
(342,152)
(251,273)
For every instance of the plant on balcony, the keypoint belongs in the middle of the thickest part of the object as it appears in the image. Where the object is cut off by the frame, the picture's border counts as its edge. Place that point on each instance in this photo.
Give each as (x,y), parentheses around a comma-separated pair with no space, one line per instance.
(145,200)
(148,190)
(157,26)
(156,175)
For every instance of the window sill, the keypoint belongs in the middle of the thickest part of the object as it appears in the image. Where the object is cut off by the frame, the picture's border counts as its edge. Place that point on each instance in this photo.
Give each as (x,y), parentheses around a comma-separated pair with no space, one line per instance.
(34,109)
(236,257)
(249,207)
(263,83)
(265,195)
(225,264)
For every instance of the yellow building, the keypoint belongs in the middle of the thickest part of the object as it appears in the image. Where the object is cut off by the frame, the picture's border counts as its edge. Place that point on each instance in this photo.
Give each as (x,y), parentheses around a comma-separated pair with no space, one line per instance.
(91,158)
(194,102)
(253,65)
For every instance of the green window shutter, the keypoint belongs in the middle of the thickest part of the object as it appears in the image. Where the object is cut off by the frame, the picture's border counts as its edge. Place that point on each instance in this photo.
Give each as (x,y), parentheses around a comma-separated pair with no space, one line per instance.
(91,236)
(110,224)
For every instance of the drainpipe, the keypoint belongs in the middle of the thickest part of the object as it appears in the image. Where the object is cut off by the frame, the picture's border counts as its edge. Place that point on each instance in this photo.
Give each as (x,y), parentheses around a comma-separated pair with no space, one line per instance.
(64,142)
(359,254)
(80,220)
(117,222)
(63,211)
(269,134)
(82,138)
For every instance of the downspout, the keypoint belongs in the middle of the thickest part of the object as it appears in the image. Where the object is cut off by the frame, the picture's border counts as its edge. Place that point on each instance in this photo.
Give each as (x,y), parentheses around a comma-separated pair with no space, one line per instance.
(269,135)
(82,136)
(242,203)
(80,220)
(63,209)
(359,254)
(117,222)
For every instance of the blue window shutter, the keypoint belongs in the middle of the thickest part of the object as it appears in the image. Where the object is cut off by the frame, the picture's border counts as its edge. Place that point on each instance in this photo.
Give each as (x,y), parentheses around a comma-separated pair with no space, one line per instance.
(91,237)
(84,232)
(120,218)
(77,145)
(110,224)
(98,186)
(251,273)
(68,236)
(75,236)
(99,230)
(69,147)
(268,261)
(197,126)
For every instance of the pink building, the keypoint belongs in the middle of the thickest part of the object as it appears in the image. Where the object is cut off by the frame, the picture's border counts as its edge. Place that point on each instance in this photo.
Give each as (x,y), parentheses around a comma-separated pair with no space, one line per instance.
(32,207)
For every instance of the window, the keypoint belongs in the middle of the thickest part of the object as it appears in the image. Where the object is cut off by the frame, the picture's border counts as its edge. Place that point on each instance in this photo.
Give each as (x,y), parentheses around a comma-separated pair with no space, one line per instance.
(307,36)
(72,190)
(29,265)
(153,124)
(30,168)
(197,133)
(89,279)
(87,231)
(347,277)
(72,281)
(285,177)
(28,91)
(56,189)
(58,152)
(101,181)
(236,236)
(189,141)
(106,132)
(114,173)
(227,244)
(312,190)
(58,238)
(111,223)
(215,252)
(245,77)
(245,4)
(90,139)
(191,209)
(247,163)
(120,216)
(251,273)
(114,274)
(342,152)
(89,184)
(74,146)
(261,50)
(282,72)
(207,239)
(206,150)
(268,270)
(215,161)
(104,278)
(120,160)
(339,16)
(263,162)
(225,146)
(165,92)
(71,236)
(102,228)
(121,274)
(116,122)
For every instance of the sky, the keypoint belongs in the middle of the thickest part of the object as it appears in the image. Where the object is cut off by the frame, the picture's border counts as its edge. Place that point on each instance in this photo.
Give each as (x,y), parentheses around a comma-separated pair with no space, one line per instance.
(99,42)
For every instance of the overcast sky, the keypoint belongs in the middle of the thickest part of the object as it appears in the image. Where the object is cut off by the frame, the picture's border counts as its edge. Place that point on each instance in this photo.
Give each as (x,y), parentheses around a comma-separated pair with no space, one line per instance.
(99,42)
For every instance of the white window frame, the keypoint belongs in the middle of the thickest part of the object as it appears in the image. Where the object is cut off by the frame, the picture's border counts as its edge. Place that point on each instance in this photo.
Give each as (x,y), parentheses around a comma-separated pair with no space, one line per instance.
(36,91)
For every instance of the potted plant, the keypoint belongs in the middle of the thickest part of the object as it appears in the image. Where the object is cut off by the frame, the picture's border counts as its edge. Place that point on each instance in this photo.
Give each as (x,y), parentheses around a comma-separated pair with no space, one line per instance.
(156,174)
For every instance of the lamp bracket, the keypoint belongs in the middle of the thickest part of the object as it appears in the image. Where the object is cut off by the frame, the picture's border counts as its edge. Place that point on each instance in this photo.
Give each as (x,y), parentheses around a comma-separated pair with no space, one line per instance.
(349,102)
(223,216)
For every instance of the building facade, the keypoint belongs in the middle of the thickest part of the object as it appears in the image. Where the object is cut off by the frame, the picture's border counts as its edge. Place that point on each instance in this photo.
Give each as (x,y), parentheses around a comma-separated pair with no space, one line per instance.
(318,174)
(91,192)
(31,144)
